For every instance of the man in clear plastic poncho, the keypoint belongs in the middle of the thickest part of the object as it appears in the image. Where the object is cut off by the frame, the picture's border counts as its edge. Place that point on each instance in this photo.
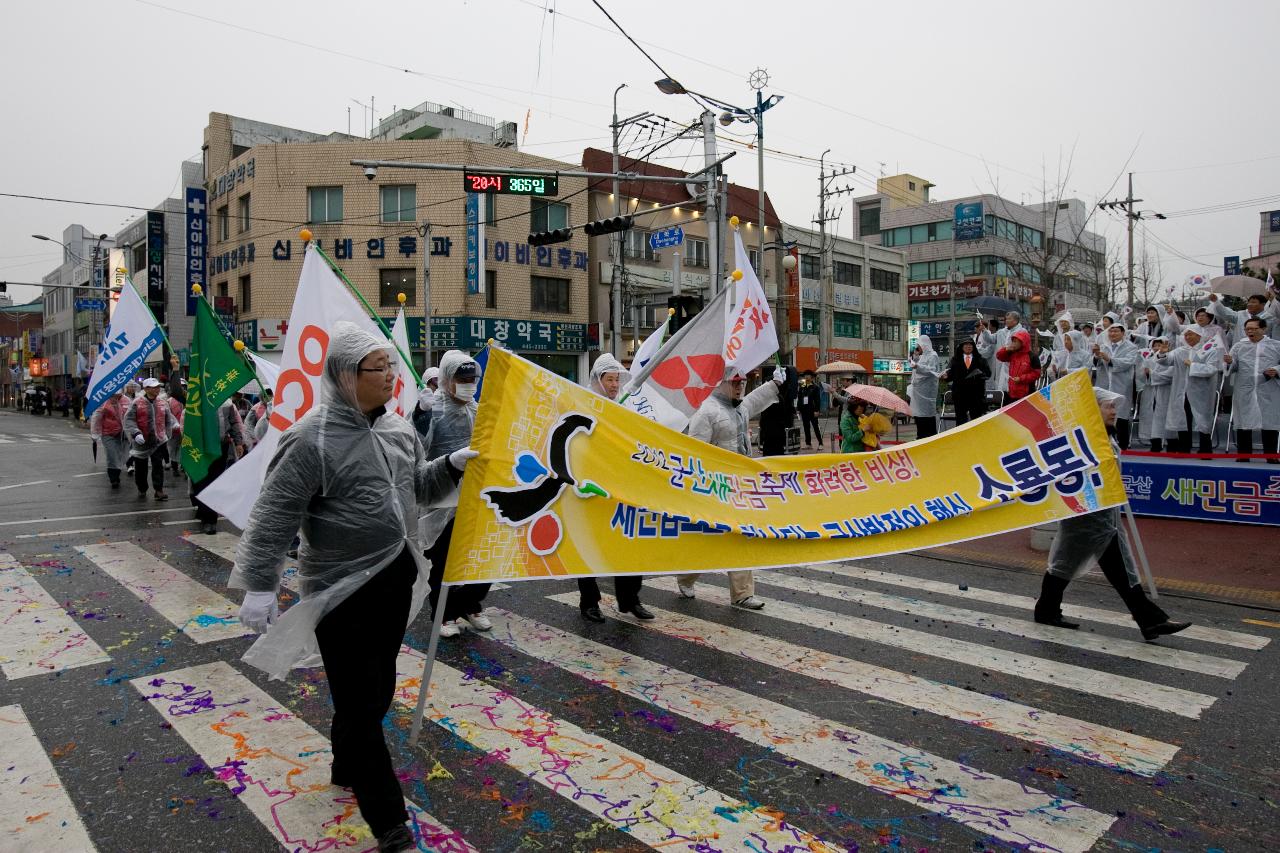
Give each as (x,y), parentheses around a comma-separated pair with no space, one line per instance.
(608,378)
(1097,536)
(453,417)
(350,476)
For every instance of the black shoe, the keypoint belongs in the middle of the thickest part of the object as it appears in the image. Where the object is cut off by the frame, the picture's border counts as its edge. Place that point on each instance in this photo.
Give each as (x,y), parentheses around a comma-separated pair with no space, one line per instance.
(142,495)
(1049,604)
(209,528)
(1151,632)
(1055,621)
(397,839)
(292,553)
(640,612)
(115,485)
(336,778)
(592,613)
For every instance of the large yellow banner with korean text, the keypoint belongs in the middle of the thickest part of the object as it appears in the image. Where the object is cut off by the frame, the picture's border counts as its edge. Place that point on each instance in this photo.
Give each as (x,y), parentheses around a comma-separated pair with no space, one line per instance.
(570,484)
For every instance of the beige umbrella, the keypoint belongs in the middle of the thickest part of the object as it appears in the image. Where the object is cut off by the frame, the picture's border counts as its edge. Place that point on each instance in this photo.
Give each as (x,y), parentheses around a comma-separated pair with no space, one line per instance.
(837,367)
(1243,286)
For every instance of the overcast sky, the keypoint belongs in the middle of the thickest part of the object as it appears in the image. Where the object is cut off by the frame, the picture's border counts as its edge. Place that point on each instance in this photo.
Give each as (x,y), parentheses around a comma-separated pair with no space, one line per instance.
(103,100)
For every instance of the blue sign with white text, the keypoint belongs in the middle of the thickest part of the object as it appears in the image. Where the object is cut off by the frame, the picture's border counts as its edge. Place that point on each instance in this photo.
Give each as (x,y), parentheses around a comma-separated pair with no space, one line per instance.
(197,242)
(666,237)
(1274,216)
(91,305)
(1206,491)
(1231,265)
(473,243)
(968,221)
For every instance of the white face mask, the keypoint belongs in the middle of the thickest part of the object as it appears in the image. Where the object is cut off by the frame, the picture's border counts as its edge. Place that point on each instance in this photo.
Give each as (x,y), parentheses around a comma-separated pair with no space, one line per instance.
(465,390)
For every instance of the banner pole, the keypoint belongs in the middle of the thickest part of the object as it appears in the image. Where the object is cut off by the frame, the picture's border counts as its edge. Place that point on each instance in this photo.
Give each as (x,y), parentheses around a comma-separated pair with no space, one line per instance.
(1143,566)
(424,685)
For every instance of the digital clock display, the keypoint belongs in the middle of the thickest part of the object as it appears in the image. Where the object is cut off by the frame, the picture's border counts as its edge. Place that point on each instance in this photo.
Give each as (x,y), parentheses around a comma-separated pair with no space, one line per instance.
(485,182)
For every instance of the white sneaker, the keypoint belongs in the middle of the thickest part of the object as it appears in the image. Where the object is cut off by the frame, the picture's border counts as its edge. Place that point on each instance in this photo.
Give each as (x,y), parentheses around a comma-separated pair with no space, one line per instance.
(450,629)
(749,603)
(478,621)
(685,590)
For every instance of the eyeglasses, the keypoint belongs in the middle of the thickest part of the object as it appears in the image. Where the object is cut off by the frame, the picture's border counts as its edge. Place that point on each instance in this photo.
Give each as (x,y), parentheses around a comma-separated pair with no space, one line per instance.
(392,367)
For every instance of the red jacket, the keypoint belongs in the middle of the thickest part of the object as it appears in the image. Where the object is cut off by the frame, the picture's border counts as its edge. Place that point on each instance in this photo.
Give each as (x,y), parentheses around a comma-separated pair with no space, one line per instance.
(111,416)
(1023,373)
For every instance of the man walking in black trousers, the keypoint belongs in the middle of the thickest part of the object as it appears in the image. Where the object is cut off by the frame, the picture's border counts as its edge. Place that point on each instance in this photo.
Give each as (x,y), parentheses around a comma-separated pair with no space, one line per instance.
(808,404)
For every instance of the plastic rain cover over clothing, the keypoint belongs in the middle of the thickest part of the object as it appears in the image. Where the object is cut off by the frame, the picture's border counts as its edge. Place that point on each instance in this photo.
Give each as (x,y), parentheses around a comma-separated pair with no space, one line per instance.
(1257,397)
(1153,421)
(723,424)
(1117,375)
(1065,361)
(352,488)
(606,363)
(451,425)
(1197,382)
(925,371)
(1082,539)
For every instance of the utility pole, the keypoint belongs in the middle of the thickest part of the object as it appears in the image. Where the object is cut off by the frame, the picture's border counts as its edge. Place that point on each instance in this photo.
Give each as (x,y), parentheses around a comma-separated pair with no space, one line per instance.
(713,201)
(615,289)
(826,289)
(1126,205)
(425,230)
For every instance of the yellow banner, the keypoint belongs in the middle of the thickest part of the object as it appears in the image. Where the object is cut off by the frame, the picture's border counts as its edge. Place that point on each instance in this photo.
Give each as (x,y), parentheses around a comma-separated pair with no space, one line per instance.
(571,484)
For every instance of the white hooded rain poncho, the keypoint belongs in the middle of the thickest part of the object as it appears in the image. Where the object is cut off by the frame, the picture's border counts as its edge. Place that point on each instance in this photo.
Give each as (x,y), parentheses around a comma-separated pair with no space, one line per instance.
(352,488)
(925,371)
(451,426)
(1082,539)
(1153,420)
(1196,370)
(1066,360)
(1256,403)
(606,363)
(1117,374)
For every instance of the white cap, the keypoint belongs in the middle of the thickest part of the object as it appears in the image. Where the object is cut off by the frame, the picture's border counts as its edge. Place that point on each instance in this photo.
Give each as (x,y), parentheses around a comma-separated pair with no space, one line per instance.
(151,383)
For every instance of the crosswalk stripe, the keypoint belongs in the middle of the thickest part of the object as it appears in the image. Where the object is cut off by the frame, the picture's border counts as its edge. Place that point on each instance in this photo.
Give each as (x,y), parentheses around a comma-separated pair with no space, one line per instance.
(273,761)
(6,440)
(191,607)
(35,438)
(1160,697)
(1102,644)
(1100,744)
(1023,602)
(223,544)
(980,801)
(36,635)
(654,804)
(36,812)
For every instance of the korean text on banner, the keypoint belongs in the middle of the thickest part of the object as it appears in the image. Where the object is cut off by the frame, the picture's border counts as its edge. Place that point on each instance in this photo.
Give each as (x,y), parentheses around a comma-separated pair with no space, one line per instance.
(131,337)
(568,483)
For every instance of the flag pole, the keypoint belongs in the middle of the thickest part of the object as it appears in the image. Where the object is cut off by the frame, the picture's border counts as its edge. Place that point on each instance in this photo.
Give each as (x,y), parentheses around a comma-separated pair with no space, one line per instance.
(306,235)
(424,683)
(236,344)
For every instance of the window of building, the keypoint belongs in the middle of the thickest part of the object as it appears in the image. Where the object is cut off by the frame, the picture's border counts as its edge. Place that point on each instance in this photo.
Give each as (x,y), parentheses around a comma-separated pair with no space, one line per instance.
(490,287)
(887,280)
(547,215)
(138,267)
(222,289)
(635,244)
(753,258)
(244,213)
(911,185)
(224,226)
(928,232)
(695,253)
(810,267)
(886,328)
(399,203)
(847,325)
(490,208)
(393,282)
(549,295)
(324,204)
(846,273)
(869,220)
(246,295)
(810,318)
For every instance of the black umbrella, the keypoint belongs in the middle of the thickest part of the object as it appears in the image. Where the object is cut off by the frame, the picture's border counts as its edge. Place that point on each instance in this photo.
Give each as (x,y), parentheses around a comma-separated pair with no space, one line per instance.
(994,304)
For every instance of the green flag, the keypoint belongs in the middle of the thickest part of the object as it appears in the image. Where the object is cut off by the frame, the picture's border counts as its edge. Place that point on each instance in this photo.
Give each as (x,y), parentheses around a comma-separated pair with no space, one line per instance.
(217,372)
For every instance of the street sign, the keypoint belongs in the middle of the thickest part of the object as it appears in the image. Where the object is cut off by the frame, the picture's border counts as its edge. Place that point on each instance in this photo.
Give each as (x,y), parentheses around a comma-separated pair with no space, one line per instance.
(1231,265)
(91,305)
(673,236)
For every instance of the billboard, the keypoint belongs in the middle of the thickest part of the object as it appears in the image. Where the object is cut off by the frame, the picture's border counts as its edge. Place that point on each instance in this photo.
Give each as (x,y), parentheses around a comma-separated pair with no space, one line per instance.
(968,221)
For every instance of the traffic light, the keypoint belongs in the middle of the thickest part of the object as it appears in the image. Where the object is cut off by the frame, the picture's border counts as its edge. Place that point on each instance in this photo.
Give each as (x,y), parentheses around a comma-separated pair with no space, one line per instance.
(686,308)
(608,226)
(4,287)
(543,238)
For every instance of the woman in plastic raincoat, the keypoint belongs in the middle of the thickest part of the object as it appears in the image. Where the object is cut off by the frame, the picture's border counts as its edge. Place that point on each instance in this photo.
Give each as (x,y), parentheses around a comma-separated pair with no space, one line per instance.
(925,370)
(1097,536)
(453,416)
(1153,419)
(350,477)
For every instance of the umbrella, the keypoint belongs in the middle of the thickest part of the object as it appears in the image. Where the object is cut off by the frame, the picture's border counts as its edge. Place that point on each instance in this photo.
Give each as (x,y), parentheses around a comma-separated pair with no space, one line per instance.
(1243,286)
(879,396)
(994,304)
(842,367)
(1080,316)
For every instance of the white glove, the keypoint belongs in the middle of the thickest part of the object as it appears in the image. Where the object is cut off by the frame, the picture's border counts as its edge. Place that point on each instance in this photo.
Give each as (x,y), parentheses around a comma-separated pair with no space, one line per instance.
(425,401)
(780,375)
(139,439)
(459,458)
(259,610)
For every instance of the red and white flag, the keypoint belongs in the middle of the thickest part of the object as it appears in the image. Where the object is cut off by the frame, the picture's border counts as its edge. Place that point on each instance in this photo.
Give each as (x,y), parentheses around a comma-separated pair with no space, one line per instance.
(750,337)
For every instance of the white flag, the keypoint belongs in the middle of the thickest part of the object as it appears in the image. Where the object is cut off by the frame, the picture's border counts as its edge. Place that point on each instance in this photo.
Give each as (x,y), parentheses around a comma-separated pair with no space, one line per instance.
(405,395)
(131,337)
(750,336)
(321,301)
(268,373)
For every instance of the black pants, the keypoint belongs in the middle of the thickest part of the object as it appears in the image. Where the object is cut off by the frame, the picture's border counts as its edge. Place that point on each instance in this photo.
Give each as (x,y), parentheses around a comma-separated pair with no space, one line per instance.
(926,427)
(359,641)
(156,463)
(1143,610)
(1124,429)
(1270,438)
(203,513)
(626,589)
(807,419)
(970,408)
(463,600)
(1157,445)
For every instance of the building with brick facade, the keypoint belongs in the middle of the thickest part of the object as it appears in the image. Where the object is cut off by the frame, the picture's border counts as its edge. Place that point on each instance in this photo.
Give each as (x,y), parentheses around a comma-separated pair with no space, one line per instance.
(261,193)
